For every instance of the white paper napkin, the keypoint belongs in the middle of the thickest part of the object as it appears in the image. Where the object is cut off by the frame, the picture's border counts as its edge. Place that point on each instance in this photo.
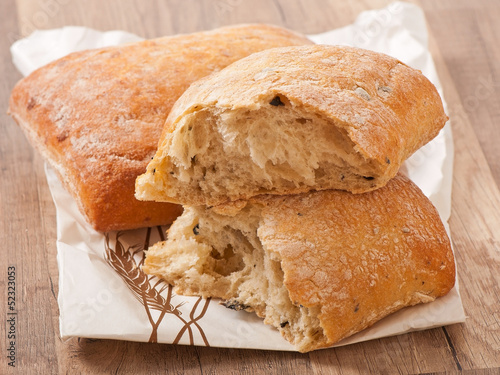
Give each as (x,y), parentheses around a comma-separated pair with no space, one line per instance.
(104,294)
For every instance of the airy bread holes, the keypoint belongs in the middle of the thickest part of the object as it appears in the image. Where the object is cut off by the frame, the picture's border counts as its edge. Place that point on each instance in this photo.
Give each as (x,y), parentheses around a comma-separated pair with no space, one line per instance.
(227,261)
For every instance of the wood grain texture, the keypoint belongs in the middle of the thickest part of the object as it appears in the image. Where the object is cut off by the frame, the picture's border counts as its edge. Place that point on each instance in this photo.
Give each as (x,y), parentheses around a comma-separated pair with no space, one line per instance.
(472,101)
(23,238)
(474,216)
(464,44)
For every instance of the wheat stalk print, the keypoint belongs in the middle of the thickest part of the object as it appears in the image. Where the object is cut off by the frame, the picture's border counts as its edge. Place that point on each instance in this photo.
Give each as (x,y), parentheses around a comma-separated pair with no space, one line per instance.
(123,262)
(148,292)
(194,320)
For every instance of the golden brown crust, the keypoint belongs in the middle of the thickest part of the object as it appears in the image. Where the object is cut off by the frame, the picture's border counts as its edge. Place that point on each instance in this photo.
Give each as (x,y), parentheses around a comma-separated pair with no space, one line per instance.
(97,115)
(387,109)
(358,257)
(345,261)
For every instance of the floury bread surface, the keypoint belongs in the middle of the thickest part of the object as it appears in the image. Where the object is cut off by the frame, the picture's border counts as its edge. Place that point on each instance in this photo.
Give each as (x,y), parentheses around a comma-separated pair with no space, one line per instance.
(318,266)
(290,120)
(97,115)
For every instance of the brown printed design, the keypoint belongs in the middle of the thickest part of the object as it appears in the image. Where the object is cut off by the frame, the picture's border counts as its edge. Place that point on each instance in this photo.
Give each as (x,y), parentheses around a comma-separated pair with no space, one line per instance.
(152,292)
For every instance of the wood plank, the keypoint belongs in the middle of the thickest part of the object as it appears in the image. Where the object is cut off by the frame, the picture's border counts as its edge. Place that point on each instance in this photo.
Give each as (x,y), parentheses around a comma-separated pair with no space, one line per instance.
(468,40)
(475,217)
(416,352)
(23,239)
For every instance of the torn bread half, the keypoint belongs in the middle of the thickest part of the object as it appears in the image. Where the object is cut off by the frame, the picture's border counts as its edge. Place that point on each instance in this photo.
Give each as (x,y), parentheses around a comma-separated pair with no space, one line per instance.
(319,266)
(290,120)
(97,115)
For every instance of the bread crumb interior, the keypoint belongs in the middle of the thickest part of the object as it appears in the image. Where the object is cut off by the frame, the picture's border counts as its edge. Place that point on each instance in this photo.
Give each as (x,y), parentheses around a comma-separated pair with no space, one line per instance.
(241,152)
(222,257)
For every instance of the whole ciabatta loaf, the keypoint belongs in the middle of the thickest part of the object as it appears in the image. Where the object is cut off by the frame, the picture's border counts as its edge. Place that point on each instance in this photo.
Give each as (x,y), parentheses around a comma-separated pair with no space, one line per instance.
(289,120)
(318,266)
(97,115)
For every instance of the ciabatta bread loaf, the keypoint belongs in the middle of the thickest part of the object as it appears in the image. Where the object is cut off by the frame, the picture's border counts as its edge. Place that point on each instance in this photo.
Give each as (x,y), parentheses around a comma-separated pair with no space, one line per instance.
(97,115)
(290,120)
(318,266)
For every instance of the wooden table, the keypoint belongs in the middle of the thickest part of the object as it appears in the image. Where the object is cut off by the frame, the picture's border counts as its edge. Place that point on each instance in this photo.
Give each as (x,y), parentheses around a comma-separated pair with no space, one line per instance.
(464,43)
